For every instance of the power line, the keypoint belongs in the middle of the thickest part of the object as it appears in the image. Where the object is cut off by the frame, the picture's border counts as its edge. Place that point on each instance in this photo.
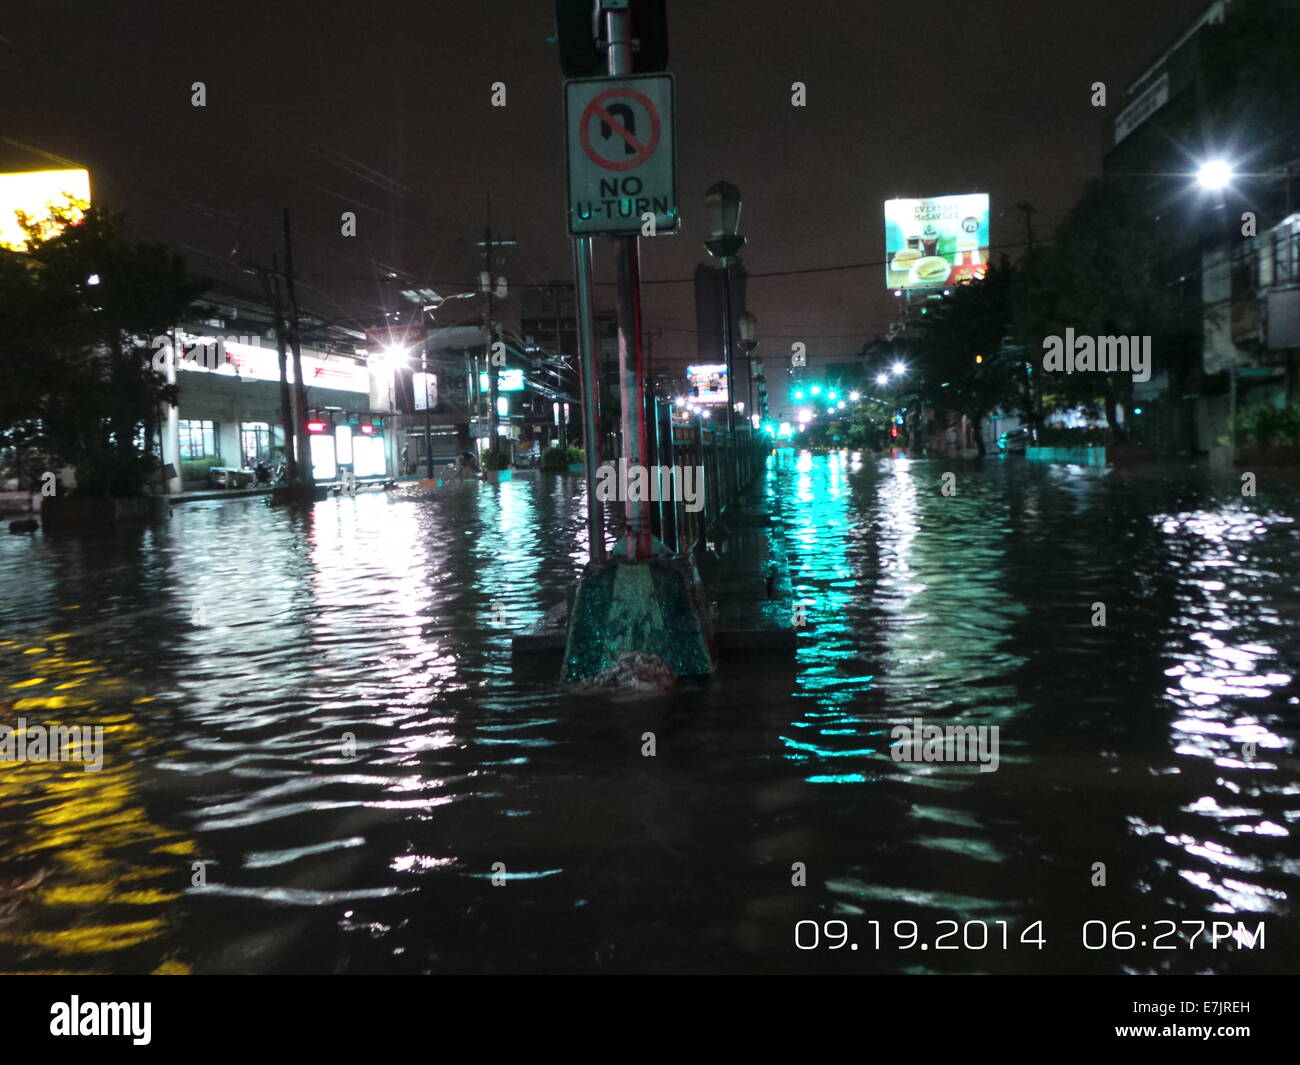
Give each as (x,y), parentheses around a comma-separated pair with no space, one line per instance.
(748,277)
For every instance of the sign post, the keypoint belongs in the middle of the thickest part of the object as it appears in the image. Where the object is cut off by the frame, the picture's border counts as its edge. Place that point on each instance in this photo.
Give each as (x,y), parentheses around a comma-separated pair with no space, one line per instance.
(623,183)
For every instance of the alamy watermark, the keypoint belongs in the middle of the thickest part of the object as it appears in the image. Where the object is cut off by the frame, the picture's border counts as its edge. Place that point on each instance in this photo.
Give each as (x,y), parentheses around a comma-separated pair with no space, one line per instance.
(1081,354)
(206,353)
(55,743)
(650,484)
(78,1018)
(919,742)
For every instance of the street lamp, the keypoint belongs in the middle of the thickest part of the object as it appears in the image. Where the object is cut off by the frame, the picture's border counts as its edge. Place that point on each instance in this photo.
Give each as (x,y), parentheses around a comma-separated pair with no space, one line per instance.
(882,378)
(899,369)
(748,323)
(722,210)
(1214,174)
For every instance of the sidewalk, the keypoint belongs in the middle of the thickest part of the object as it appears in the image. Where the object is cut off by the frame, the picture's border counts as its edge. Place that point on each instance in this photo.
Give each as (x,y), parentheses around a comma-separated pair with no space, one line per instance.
(202,494)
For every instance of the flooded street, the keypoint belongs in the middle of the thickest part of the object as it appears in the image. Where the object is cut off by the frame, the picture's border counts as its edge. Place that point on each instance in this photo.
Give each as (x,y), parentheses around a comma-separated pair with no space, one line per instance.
(322,711)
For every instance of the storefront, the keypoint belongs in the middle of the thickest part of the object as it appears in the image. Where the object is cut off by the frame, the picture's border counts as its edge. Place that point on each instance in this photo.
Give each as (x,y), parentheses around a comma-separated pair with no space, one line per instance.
(228,411)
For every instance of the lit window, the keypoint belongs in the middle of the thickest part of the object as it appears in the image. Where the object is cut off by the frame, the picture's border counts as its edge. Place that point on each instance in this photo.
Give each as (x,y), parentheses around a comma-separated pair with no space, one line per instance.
(198,439)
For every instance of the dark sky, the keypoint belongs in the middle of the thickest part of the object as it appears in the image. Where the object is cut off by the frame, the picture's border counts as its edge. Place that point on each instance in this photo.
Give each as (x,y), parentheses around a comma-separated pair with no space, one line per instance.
(384,108)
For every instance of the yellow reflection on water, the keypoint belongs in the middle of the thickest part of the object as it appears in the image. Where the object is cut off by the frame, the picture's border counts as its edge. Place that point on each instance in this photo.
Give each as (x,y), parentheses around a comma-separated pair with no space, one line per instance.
(73,884)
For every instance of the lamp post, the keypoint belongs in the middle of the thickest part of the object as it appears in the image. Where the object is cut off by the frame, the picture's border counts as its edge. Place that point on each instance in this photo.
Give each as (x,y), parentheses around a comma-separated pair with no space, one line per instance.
(1214,176)
(432,309)
(722,209)
(748,341)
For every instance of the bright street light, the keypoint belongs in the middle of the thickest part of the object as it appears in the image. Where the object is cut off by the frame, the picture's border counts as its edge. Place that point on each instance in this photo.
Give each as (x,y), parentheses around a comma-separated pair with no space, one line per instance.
(855,396)
(882,378)
(899,368)
(1214,175)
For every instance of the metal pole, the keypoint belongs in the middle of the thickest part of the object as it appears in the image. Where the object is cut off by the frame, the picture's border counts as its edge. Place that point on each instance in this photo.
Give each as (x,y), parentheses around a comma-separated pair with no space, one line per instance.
(631,354)
(428,428)
(726,345)
(731,374)
(587,355)
(487,330)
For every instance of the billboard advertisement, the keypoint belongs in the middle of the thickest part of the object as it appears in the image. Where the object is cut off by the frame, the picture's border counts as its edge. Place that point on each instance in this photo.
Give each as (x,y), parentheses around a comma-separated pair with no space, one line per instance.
(36,193)
(707,383)
(425,389)
(939,241)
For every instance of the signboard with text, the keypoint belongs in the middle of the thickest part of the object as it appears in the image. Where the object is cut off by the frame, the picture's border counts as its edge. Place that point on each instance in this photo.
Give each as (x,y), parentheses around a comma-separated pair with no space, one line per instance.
(621,154)
(938,241)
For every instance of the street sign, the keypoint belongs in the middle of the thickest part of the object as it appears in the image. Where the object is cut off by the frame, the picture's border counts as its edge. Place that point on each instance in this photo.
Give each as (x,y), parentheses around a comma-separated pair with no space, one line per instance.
(621,154)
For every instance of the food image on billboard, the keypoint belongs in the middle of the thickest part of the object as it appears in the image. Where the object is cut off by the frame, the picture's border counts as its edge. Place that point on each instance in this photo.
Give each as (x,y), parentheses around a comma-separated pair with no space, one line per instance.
(938,241)
(36,194)
(708,383)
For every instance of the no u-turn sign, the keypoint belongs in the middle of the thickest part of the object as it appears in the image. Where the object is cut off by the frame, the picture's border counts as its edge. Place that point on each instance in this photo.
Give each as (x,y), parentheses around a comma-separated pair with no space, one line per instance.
(621,157)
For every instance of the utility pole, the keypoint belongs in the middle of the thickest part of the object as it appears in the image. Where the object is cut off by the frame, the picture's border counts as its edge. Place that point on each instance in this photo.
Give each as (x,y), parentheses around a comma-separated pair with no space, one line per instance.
(271,287)
(299,388)
(489,329)
(493,383)
(1029,212)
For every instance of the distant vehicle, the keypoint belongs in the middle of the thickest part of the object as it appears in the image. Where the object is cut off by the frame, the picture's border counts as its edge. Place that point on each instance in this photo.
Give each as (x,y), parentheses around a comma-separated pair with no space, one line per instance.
(1014,440)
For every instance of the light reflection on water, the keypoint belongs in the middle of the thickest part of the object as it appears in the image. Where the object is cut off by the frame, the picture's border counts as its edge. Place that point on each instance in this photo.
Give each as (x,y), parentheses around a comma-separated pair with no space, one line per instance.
(322,709)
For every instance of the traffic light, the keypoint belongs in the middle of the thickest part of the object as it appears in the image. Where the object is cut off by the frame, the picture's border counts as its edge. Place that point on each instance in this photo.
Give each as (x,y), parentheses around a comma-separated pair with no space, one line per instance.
(575,31)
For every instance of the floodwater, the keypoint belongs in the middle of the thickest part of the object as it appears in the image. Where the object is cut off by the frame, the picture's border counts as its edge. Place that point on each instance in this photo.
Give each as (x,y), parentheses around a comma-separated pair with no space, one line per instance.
(317,758)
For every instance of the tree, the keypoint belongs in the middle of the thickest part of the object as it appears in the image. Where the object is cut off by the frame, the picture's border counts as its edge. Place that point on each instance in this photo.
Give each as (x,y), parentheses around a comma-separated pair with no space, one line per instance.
(1098,277)
(77,312)
(962,367)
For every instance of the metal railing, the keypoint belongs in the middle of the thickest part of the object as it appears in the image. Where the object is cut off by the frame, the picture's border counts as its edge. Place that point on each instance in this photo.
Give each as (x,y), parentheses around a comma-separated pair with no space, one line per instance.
(729,467)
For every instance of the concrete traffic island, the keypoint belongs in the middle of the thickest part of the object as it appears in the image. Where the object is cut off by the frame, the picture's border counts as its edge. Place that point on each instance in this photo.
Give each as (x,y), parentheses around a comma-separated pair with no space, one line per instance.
(655,607)
(731,599)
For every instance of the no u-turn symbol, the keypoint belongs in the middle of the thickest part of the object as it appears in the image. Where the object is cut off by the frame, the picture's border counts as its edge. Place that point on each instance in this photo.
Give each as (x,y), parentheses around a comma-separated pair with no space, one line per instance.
(610,126)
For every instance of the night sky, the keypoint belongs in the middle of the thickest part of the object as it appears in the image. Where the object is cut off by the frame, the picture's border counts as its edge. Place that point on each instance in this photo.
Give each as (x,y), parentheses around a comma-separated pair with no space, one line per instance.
(384,109)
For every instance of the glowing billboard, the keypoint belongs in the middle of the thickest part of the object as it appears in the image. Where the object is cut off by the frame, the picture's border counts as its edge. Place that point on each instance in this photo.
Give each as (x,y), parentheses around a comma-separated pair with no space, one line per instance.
(939,241)
(36,193)
(707,383)
(510,379)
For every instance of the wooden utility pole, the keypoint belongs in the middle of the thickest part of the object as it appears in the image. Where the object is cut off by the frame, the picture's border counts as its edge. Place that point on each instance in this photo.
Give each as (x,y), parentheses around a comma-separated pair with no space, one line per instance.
(299,388)
(271,286)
